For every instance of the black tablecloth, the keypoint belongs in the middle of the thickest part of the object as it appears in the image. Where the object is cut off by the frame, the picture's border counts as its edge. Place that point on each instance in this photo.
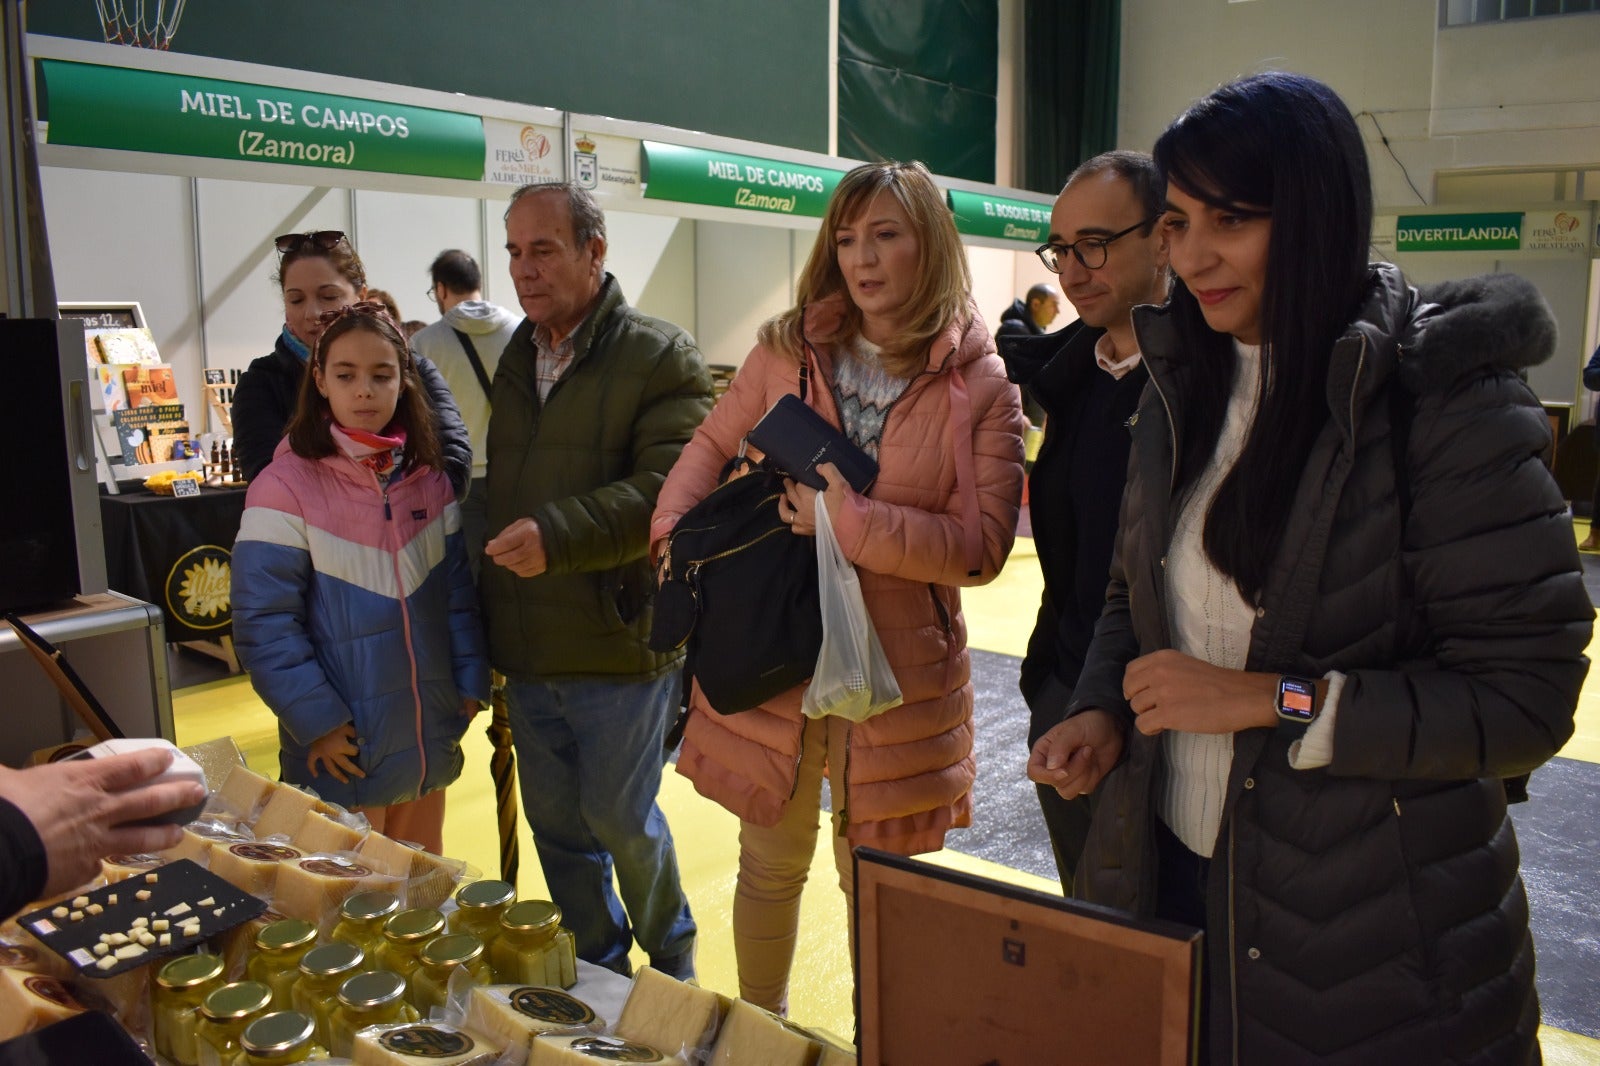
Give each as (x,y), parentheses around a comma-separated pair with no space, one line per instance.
(177,553)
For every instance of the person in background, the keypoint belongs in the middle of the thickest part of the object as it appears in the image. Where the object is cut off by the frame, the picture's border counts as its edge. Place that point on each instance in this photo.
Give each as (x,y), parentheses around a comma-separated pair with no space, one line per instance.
(1110,254)
(1030,317)
(1591,381)
(885,330)
(412,326)
(592,403)
(353,606)
(319,272)
(1345,603)
(465,344)
(58,820)
(382,297)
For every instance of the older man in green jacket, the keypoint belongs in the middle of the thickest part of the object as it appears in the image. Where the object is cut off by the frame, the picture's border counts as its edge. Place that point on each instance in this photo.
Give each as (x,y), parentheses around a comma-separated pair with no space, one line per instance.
(592,402)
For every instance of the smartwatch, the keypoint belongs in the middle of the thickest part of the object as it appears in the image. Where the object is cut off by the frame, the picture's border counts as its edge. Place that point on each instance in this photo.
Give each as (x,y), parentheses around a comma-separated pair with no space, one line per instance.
(1297,705)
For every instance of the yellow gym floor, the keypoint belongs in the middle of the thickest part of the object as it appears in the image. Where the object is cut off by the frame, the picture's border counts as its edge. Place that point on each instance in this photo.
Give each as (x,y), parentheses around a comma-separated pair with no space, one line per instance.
(999,618)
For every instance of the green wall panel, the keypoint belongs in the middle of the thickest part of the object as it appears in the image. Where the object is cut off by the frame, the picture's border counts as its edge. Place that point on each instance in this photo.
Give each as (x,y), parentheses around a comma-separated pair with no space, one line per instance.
(754,71)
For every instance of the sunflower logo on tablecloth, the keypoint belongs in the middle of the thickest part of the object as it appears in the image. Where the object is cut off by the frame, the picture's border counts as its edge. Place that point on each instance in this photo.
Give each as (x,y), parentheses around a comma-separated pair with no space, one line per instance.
(199,588)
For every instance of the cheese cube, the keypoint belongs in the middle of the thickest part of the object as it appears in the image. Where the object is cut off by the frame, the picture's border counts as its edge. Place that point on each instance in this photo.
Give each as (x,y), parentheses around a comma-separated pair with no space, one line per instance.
(750,1034)
(285,809)
(313,888)
(320,833)
(142,895)
(141,922)
(244,791)
(511,1015)
(59,912)
(80,901)
(252,867)
(427,1043)
(151,879)
(586,1048)
(667,1014)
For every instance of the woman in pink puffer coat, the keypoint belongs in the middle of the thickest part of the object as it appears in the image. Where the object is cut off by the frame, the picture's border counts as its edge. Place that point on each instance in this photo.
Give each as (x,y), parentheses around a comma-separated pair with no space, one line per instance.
(899,359)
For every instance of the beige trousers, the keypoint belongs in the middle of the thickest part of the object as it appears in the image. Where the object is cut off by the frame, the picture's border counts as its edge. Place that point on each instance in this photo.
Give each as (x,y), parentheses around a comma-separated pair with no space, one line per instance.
(773,865)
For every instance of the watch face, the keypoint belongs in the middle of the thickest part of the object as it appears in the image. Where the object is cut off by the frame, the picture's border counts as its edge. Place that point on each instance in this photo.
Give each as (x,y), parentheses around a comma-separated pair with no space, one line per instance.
(1297,699)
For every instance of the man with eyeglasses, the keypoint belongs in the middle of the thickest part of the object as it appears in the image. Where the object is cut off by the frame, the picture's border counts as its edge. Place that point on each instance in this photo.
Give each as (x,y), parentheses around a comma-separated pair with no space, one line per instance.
(1108,248)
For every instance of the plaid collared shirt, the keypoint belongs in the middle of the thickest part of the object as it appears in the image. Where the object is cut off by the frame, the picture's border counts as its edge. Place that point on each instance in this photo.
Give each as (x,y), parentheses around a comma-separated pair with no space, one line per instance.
(550,362)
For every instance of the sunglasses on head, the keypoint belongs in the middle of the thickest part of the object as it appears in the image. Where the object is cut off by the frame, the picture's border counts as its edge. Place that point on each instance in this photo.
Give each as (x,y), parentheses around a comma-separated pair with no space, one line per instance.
(325,239)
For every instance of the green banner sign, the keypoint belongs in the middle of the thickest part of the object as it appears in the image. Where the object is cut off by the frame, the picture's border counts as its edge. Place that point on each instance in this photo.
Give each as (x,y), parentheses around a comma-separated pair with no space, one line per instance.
(148,111)
(981,215)
(722,179)
(1459,233)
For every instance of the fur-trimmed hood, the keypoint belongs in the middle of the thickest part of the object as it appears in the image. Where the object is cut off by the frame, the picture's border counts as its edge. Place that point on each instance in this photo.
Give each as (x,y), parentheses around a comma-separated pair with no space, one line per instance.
(1457,327)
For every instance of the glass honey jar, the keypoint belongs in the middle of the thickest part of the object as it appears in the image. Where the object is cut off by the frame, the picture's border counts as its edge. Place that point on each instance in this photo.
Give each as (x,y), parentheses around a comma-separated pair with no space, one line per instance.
(376,998)
(404,934)
(325,968)
(276,962)
(479,907)
(223,1016)
(181,986)
(441,957)
(533,948)
(361,919)
(285,1036)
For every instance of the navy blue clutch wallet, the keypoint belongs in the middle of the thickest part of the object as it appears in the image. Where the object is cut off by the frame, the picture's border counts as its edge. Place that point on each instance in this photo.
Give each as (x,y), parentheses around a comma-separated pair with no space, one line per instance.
(796,440)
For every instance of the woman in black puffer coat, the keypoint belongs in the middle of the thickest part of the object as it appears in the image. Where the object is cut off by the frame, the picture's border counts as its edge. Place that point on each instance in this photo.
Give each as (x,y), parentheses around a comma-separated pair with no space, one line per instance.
(1345,603)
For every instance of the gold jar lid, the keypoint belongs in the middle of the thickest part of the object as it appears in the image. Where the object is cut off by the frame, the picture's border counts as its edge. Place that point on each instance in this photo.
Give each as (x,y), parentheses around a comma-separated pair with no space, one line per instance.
(451,949)
(187,971)
(286,934)
(367,991)
(365,906)
(330,960)
(278,1033)
(238,1000)
(415,925)
(530,915)
(481,895)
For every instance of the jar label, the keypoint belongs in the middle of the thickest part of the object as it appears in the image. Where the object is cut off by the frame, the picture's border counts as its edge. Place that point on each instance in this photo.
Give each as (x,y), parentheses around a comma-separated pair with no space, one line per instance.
(552,1005)
(426,1042)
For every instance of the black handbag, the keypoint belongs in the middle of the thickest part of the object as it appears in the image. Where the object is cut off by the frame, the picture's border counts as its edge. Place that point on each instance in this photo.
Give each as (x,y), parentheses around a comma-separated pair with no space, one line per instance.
(739,592)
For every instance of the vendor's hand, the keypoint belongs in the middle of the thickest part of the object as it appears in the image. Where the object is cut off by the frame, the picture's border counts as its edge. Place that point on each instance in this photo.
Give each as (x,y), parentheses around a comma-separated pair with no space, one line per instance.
(336,752)
(80,809)
(1170,690)
(470,706)
(1074,756)
(519,548)
(799,505)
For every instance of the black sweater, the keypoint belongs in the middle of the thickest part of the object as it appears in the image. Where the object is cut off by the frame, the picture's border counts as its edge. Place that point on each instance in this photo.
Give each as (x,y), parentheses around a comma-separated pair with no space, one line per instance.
(23,863)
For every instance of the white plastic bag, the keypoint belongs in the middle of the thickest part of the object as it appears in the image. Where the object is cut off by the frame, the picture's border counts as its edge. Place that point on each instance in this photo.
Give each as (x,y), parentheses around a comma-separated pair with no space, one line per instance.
(853,679)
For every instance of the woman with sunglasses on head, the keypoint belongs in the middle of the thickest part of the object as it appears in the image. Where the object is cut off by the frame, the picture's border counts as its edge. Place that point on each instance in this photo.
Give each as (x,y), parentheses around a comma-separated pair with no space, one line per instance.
(373,681)
(1345,603)
(895,354)
(318,272)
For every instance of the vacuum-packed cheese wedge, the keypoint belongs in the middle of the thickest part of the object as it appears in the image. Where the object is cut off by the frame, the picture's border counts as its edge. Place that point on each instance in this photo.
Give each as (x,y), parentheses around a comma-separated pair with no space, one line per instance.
(835,1052)
(667,1014)
(554,1050)
(244,791)
(422,1044)
(312,888)
(285,809)
(749,1034)
(320,832)
(122,867)
(198,841)
(430,880)
(252,867)
(513,1015)
(30,1001)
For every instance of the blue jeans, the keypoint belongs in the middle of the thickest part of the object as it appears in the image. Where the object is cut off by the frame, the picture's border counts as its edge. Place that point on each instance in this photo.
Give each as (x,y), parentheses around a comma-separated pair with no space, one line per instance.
(589,761)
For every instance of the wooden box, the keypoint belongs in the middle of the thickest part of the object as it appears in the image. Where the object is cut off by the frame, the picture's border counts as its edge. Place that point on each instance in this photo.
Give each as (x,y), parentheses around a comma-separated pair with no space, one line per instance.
(965,971)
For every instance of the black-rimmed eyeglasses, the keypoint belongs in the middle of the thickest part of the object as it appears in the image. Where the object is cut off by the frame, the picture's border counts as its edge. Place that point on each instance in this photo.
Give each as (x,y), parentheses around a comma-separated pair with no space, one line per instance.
(325,239)
(1090,251)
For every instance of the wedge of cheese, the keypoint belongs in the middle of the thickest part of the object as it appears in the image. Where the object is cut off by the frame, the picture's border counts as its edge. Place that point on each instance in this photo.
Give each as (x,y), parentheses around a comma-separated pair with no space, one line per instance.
(750,1034)
(430,880)
(667,1014)
(283,812)
(512,1015)
(244,791)
(30,1001)
(312,888)
(122,867)
(422,1044)
(199,839)
(321,833)
(252,867)
(835,1052)
(553,1050)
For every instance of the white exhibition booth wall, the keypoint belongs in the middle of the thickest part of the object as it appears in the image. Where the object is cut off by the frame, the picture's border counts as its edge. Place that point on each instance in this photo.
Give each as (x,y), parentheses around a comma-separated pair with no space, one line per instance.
(189,238)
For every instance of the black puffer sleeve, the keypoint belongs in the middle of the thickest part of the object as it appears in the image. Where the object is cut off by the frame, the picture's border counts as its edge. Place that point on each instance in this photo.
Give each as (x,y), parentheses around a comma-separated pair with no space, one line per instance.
(454,441)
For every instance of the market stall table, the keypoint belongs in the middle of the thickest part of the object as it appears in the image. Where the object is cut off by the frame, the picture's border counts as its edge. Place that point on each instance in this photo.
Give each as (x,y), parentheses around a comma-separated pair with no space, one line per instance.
(176,552)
